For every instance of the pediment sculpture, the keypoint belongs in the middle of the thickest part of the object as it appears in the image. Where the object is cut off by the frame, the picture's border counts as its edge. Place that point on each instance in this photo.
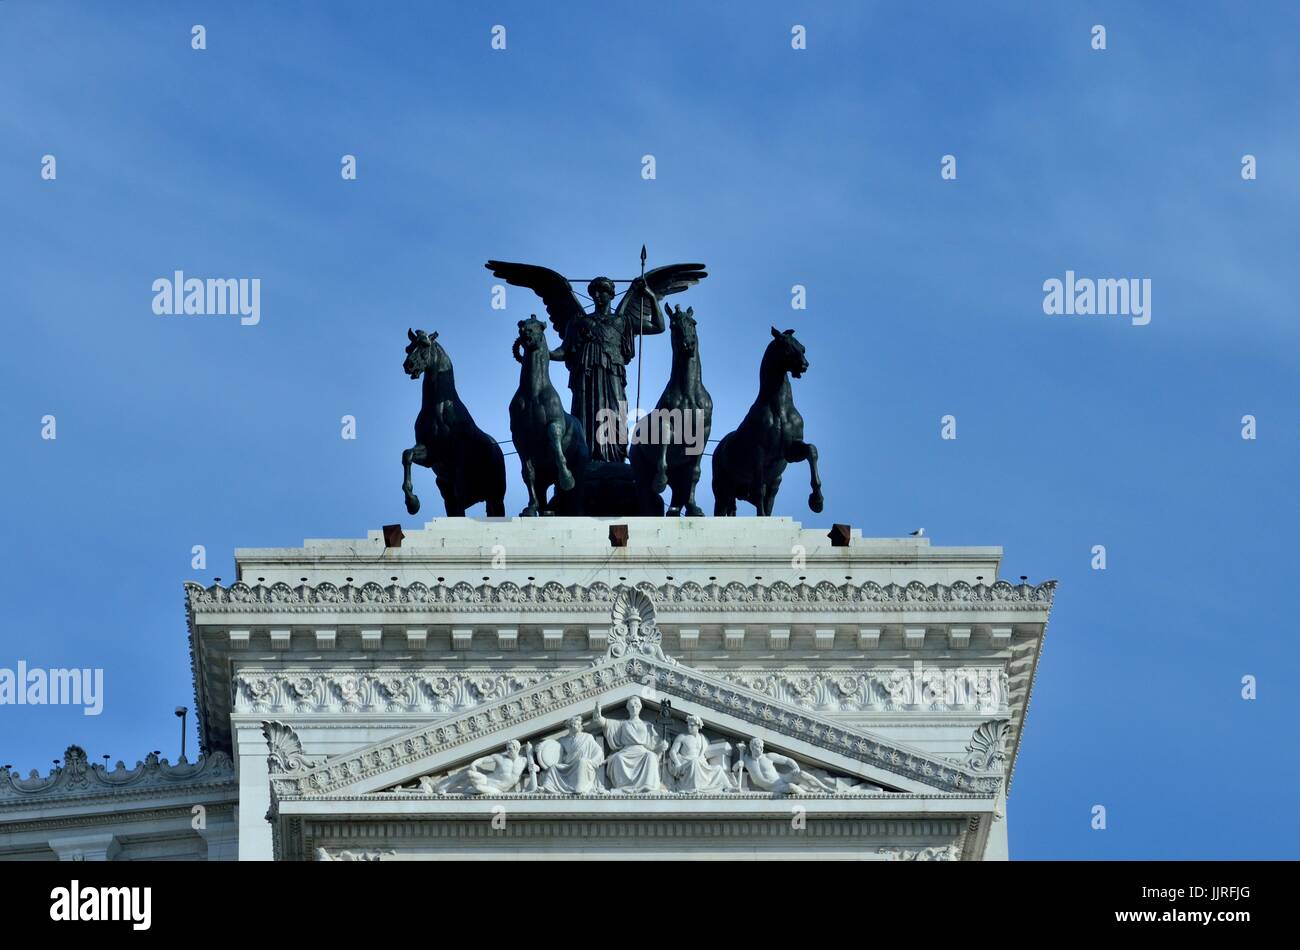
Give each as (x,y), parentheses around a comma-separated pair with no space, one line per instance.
(633,755)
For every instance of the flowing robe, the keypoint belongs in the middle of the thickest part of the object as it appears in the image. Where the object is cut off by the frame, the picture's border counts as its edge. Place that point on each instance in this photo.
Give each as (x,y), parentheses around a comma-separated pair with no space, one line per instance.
(597,349)
(578,772)
(634,766)
(689,764)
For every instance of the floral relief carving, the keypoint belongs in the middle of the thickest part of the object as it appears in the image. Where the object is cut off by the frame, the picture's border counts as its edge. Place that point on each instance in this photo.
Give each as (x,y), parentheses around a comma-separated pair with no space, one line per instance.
(282,597)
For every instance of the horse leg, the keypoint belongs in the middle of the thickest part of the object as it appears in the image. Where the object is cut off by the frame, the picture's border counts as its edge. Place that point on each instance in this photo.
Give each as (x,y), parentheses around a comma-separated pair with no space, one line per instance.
(798,452)
(417,454)
(769,496)
(564,480)
(664,434)
(493,473)
(693,478)
(675,497)
(529,474)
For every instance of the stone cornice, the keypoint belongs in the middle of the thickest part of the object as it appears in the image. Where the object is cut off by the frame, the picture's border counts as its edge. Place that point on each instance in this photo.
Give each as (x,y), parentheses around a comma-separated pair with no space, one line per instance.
(605,800)
(534,706)
(79,780)
(417,597)
(662,827)
(183,812)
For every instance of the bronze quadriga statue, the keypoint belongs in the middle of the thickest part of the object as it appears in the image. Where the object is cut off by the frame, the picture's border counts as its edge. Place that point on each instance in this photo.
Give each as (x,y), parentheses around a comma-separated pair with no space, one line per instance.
(677,430)
(749,462)
(551,444)
(467,462)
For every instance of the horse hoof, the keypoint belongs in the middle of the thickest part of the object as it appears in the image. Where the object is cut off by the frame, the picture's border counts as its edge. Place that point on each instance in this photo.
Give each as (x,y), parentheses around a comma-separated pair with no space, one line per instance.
(815,501)
(694,511)
(529,512)
(565,482)
(412,504)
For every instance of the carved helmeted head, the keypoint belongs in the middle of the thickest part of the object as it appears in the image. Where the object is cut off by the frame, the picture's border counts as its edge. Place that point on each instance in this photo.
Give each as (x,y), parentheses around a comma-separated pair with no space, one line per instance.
(423,353)
(684,337)
(601,290)
(789,352)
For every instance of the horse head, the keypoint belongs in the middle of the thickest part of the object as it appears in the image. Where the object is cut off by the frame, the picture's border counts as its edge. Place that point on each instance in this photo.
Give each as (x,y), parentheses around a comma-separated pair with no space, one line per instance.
(684,337)
(423,353)
(532,336)
(788,353)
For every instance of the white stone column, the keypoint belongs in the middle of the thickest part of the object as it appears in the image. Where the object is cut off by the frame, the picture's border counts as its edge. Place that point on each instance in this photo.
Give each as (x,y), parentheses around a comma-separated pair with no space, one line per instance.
(254,793)
(996,848)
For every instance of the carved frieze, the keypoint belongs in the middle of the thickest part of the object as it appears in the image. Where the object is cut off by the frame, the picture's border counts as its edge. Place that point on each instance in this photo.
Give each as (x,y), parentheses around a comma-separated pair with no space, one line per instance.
(963,689)
(734,597)
(942,853)
(375,691)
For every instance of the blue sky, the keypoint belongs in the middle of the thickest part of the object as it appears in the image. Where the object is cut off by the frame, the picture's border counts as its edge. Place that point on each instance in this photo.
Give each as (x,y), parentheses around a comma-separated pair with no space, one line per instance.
(774,167)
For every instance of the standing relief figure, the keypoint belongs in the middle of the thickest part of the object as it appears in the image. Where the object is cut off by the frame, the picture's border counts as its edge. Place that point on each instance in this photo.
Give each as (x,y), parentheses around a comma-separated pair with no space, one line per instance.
(636,746)
(689,765)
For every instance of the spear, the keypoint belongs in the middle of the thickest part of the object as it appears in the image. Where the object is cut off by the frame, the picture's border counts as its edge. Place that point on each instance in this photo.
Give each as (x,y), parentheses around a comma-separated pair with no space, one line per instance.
(640,328)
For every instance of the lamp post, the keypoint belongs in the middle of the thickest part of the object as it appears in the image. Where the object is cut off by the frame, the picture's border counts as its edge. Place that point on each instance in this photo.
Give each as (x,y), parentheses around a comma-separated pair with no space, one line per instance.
(180,714)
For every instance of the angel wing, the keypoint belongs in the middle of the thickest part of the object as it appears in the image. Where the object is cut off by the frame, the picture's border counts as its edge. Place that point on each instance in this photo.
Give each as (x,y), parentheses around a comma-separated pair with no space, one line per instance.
(562,303)
(659,282)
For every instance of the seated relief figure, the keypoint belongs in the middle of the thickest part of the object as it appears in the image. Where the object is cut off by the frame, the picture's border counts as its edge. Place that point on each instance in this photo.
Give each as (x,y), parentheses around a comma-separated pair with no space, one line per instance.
(636,747)
(689,765)
(571,765)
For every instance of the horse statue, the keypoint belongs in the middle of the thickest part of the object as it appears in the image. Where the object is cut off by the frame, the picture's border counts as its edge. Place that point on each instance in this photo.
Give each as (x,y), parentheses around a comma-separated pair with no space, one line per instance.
(681,421)
(552,445)
(466,461)
(749,462)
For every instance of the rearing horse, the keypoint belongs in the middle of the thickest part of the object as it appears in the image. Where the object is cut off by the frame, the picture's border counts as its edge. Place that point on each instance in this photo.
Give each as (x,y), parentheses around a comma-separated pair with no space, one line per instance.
(551,443)
(749,462)
(685,409)
(466,460)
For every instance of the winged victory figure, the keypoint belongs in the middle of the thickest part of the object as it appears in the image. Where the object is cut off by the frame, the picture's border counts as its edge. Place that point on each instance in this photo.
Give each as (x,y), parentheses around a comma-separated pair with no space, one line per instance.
(597,346)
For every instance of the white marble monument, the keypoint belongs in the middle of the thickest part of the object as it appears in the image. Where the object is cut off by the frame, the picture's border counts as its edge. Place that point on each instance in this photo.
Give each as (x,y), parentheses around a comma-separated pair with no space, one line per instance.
(521,688)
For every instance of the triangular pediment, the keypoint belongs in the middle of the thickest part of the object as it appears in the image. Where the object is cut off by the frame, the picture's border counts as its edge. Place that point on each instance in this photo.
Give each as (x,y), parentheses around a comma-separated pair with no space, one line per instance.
(842,757)
(642,746)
